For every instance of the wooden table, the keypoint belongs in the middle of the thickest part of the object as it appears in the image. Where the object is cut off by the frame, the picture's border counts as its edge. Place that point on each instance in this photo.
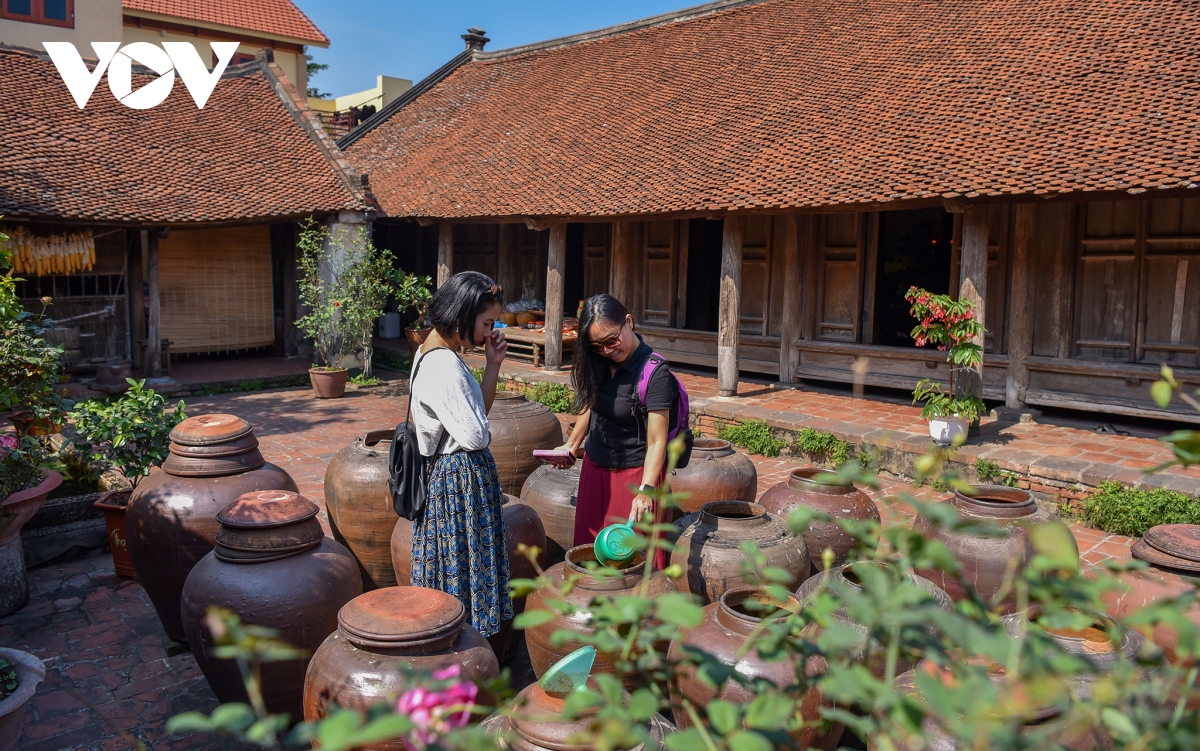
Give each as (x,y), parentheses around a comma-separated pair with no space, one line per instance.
(530,344)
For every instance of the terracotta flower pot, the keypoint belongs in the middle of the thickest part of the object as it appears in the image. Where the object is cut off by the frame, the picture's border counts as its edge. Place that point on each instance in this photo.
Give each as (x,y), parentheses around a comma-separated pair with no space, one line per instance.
(113,505)
(31,671)
(328,384)
(15,510)
(416,337)
(804,488)
(29,424)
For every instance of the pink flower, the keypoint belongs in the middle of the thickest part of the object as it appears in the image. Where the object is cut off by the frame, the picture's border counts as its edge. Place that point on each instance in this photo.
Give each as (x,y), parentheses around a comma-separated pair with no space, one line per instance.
(8,442)
(437,712)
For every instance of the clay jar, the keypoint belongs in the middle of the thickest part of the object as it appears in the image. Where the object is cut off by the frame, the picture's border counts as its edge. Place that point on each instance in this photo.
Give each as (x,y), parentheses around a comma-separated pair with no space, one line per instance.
(723,631)
(537,723)
(708,548)
(518,428)
(543,653)
(805,488)
(359,505)
(171,522)
(985,560)
(847,575)
(553,493)
(273,566)
(358,665)
(716,472)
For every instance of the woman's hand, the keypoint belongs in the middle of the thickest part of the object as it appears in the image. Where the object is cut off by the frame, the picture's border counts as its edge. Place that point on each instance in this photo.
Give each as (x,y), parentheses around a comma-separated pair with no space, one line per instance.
(495,348)
(642,505)
(566,463)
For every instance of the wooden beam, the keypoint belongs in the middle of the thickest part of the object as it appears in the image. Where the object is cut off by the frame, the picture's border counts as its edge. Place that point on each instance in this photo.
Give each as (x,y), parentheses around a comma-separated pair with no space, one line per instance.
(789,325)
(556,269)
(1020,318)
(445,259)
(729,309)
(870,264)
(508,262)
(153,367)
(136,301)
(809,228)
(622,262)
(972,287)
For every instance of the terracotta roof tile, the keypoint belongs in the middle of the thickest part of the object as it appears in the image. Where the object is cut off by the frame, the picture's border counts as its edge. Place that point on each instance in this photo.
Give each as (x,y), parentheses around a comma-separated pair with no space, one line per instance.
(807,103)
(247,155)
(278,17)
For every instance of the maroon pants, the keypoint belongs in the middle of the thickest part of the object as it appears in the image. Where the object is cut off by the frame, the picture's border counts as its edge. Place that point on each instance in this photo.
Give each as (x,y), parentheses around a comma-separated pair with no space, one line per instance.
(605,497)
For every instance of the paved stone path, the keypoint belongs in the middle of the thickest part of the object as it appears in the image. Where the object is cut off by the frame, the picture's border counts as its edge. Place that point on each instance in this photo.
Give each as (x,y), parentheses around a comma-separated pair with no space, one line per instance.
(109,671)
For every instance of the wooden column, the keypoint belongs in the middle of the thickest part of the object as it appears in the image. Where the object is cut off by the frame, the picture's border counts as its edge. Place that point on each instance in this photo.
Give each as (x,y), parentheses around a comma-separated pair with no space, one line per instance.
(729,309)
(445,261)
(1020,320)
(508,263)
(153,329)
(556,269)
(789,328)
(870,270)
(135,298)
(620,285)
(972,286)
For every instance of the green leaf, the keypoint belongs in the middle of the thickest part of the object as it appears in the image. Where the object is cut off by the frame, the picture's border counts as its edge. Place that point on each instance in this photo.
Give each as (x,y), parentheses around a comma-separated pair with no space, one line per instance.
(723,716)
(1118,724)
(643,704)
(234,717)
(190,722)
(1161,392)
(383,728)
(679,609)
(336,732)
(533,619)
(688,740)
(744,740)
(769,712)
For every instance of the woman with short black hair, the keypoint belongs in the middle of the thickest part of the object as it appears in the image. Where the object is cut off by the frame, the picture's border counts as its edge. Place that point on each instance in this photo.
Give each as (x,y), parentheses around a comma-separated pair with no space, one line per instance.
(458,543)
(622,441)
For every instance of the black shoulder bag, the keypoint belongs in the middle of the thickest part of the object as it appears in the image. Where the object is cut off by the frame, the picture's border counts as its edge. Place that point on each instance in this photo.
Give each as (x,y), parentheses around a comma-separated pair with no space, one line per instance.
(409,481)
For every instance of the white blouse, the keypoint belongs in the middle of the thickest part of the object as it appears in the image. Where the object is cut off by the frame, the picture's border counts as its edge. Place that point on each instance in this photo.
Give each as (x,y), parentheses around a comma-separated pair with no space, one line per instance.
(446,396)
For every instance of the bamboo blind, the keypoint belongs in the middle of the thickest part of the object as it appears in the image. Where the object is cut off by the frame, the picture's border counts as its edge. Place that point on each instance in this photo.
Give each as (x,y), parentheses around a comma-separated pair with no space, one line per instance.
(215,289)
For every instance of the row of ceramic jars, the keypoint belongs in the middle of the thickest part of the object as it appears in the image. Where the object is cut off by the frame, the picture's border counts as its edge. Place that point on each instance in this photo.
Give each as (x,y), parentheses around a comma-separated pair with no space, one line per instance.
(171,521)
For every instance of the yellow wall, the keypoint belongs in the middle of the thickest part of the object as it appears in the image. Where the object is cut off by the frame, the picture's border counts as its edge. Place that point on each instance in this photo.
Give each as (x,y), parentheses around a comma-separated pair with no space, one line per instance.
(385,90)
(286,60)
(95,21)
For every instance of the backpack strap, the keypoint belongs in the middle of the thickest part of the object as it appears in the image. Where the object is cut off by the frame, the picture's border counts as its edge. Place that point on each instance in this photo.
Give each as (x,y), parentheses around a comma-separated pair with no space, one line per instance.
(652,364)
(412,380)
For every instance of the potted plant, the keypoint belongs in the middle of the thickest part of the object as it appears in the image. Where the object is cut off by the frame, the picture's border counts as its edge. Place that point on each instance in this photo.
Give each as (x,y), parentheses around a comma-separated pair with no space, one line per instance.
(29,368)
(951,325)
(412,291)
(132,435)
(20,674)
(345,285)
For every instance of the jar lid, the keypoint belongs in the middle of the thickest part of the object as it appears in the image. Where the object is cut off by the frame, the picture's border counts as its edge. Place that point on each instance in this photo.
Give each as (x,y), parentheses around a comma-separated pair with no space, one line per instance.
(1178,540)
(264,509)
(205,430)
(410,618)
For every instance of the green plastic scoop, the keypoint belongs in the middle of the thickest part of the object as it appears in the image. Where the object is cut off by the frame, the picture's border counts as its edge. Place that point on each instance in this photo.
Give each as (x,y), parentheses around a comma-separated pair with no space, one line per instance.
(569,673)
(614,544)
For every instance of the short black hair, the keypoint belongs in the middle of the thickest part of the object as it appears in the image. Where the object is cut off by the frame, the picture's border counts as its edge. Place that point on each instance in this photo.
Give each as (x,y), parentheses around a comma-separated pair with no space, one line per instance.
(457,303)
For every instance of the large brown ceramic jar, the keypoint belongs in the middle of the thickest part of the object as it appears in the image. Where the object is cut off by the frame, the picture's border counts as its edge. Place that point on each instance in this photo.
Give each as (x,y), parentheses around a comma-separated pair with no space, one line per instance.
(359,505)
(518,428)
(543,653)
(171,522)
(552,493)
(987,562)
(722,633)
(709,548)
(848,575)
(359,665)
(716,472)
(537,724)
(273,566)
(810,487)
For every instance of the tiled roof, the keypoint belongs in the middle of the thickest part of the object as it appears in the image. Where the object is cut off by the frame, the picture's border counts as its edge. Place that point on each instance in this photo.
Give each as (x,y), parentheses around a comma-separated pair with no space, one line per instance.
(275,17)
(806,103)
(253,152)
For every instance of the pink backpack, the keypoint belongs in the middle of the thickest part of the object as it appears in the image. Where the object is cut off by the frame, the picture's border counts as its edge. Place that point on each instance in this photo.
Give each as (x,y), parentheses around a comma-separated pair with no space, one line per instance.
(682,424)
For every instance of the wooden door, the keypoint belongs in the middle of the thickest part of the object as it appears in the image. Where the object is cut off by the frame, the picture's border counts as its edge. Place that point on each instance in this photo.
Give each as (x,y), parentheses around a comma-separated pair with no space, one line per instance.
(532,247)
(597,254)
(1170,276)
(1107,274)
(477,248)
(756,275)
(997,278)
(661,243)
(839,254)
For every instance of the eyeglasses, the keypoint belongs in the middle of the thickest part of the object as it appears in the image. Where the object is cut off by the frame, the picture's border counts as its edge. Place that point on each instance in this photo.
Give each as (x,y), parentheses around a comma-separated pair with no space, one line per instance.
(609,342)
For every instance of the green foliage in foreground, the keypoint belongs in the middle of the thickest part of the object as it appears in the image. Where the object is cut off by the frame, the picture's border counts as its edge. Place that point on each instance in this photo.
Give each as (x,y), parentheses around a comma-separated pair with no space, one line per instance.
(754,436)
(1131,511)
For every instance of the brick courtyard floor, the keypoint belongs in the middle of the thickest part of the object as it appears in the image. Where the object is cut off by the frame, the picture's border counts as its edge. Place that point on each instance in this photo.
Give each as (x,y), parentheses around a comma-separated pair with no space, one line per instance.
(110,678)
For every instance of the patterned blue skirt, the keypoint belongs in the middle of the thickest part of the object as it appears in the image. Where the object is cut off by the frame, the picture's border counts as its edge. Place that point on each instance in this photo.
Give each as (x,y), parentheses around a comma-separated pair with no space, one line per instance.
(458,545)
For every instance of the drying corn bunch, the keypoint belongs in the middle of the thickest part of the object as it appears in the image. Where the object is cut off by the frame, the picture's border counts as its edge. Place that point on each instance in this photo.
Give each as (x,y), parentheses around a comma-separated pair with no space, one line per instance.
(56,254)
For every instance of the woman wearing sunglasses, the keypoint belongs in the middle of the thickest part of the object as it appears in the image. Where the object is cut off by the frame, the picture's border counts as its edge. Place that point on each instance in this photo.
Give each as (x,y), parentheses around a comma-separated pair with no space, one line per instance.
(458,543)
(623,443)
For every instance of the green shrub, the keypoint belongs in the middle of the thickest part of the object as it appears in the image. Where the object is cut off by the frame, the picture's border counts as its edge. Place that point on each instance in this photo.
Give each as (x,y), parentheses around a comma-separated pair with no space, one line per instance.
(556,396)
(1131,511)
(754,436)
(990,471)
(9,680)
(822,447)
(478,374)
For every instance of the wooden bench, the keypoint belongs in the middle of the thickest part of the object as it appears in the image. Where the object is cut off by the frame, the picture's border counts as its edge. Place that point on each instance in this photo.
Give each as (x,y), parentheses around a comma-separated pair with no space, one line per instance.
(530,344)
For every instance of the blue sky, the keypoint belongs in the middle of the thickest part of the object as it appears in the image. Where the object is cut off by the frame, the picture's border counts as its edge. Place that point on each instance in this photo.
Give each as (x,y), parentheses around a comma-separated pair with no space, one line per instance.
(409,39)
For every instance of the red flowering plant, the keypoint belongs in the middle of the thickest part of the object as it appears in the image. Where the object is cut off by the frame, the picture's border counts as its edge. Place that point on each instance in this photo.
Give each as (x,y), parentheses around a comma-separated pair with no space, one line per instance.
(952,326)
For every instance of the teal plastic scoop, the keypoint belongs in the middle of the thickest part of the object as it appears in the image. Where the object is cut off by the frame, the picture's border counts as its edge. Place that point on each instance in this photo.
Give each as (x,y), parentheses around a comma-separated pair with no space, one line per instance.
(614,544)
(569,673)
